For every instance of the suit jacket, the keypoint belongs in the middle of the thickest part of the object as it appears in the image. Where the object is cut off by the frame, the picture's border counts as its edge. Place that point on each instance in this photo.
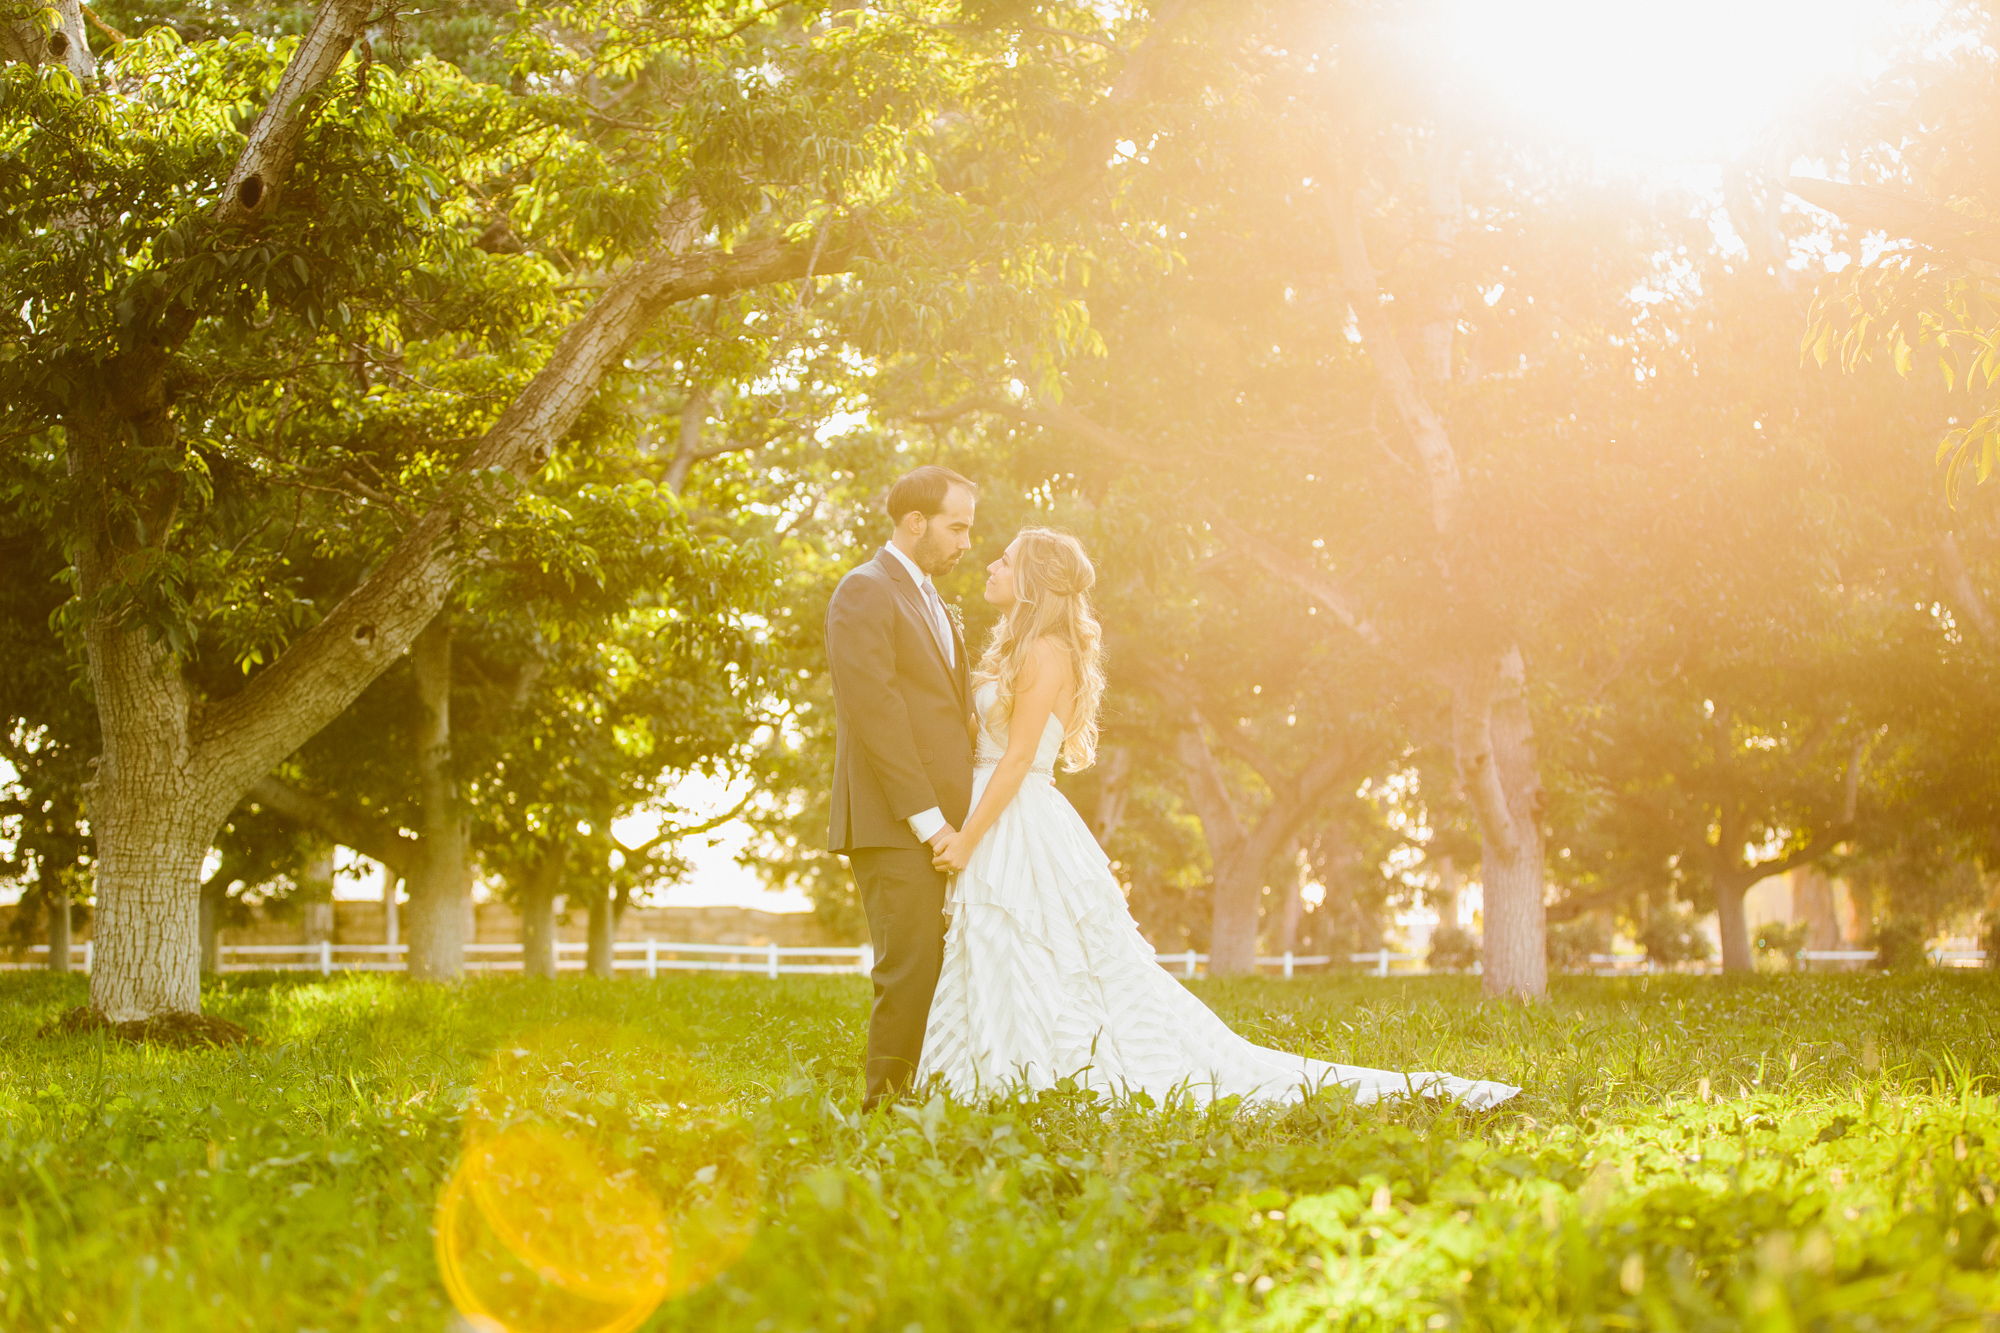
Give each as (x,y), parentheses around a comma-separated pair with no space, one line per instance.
(901,744)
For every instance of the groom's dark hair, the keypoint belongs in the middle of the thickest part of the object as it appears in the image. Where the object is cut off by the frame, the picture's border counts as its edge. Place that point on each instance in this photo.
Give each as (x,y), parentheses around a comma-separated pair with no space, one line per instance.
(923,491)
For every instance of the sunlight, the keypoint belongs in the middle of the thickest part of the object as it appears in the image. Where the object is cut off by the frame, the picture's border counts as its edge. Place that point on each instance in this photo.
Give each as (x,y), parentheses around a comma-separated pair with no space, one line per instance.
(1673,83)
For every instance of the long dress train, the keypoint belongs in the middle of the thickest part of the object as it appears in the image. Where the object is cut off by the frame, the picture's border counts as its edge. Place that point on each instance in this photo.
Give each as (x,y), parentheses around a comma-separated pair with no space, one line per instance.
(1046,976)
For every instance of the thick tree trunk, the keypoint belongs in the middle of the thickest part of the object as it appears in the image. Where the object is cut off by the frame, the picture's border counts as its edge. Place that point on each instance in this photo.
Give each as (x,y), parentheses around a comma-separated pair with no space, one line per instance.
(155,811)
(1730,924)
(1232,937)
(538,913)
(441,889)
(57,901)
(603,934)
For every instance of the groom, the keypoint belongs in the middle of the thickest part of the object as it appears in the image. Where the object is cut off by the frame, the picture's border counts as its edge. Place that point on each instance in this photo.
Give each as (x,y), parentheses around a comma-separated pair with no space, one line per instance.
(902,757)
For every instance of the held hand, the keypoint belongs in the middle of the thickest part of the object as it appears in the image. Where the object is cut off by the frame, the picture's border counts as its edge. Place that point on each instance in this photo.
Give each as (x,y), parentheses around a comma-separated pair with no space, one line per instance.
(950,851)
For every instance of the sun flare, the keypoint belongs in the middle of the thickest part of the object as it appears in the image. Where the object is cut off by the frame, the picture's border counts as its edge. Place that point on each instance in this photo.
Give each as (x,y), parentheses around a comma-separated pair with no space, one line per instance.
(1695,81)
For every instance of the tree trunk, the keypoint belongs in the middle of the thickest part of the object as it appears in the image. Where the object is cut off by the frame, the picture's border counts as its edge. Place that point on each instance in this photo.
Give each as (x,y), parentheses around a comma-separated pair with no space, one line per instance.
(1494,738)
(1862,897)
(57,901)
(1114,788)
(1812,903)
(213,891)
(1232,936)
(316,884)
(441,890)
(1445,901)
(538,912)
(603,933)
(1292,905)
(1730,923)
(155,811)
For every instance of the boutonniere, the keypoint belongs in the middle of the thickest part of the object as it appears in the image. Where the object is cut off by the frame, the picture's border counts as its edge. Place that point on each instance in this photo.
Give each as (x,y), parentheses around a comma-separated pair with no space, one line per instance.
(956,616)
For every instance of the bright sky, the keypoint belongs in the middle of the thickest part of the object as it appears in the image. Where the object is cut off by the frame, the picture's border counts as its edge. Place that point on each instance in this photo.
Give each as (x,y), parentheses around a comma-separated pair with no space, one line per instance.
(1667,81)
(717,879)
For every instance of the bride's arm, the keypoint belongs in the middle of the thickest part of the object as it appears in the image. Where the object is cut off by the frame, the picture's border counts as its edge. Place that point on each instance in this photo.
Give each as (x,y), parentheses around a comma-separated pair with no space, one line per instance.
(1035,693)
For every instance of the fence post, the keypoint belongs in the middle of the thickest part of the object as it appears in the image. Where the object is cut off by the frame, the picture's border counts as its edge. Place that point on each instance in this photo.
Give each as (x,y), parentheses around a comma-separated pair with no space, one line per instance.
(1288,964)
(1382,963)
(771,960)
(652,960)
(88,950)
(1187,969)
(326,958)
(867,954)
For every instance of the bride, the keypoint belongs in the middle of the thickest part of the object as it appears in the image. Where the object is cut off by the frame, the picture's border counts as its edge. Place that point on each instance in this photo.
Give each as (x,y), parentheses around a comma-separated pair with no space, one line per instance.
(1046,975)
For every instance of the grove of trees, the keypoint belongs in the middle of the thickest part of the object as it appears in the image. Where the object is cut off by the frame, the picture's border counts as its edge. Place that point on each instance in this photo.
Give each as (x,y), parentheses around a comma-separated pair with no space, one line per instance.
(438,433)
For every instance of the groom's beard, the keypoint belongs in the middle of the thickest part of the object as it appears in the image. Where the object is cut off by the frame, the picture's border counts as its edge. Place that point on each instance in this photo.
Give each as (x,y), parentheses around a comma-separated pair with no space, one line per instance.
(937,559)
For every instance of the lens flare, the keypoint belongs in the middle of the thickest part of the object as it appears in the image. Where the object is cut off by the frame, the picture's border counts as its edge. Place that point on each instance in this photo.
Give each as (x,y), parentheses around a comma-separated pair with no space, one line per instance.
(602,1174)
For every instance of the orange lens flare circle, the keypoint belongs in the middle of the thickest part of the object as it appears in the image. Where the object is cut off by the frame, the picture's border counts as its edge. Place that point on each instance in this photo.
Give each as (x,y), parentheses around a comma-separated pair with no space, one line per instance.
(602,1174)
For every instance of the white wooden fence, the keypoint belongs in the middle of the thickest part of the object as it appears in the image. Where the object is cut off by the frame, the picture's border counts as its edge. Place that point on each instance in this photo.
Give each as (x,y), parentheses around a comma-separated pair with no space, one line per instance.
(653,957)
(1624,964)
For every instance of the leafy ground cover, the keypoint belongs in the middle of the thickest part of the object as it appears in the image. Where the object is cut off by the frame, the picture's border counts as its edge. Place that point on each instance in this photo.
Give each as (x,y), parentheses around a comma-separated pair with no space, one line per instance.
(1691,1153)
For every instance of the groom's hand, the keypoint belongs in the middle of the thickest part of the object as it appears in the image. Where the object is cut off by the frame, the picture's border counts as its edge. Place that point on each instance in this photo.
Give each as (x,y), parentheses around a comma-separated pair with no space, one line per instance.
(941,837)
(949,852)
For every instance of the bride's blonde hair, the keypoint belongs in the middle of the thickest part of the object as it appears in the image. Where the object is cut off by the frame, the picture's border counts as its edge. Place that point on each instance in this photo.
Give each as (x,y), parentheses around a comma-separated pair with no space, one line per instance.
(1052,582)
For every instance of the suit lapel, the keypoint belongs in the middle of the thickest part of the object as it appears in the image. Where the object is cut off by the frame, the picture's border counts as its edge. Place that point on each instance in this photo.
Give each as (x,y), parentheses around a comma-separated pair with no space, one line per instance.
(963,672)
(906,588)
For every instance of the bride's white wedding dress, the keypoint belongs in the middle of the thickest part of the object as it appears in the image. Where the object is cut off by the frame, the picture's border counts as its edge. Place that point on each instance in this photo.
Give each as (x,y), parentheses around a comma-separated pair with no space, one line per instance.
(1046,976)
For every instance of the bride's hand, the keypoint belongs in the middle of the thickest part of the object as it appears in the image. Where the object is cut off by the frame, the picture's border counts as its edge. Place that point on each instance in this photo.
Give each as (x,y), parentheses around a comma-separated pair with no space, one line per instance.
(951,853)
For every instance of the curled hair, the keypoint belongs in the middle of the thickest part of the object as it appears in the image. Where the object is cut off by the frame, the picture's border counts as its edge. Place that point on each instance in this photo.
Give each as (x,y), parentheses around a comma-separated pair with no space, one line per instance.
(1052,582)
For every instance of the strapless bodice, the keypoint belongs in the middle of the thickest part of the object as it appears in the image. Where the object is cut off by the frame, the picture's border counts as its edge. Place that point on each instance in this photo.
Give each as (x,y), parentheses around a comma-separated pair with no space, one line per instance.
(993,735)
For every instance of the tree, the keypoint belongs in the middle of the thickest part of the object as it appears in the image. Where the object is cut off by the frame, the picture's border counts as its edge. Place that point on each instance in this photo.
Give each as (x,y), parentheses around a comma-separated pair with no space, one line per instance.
(391,301)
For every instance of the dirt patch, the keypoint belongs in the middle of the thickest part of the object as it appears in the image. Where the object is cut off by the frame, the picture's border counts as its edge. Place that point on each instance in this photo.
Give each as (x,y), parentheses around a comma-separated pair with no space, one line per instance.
(184,1031)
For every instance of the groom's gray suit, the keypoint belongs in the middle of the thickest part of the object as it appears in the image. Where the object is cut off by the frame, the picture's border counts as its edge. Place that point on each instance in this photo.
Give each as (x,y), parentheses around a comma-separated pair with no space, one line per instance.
(901,747)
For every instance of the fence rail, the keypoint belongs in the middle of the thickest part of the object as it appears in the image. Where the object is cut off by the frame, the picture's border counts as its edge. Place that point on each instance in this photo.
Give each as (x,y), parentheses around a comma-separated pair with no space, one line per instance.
(653,957)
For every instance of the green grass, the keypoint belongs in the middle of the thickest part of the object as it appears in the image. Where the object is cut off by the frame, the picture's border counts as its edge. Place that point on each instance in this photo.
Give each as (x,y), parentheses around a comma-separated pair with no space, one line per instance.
(1839,1173)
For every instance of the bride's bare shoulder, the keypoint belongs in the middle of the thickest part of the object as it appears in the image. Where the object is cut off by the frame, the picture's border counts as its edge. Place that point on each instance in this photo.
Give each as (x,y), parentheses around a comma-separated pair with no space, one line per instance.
(1049,654)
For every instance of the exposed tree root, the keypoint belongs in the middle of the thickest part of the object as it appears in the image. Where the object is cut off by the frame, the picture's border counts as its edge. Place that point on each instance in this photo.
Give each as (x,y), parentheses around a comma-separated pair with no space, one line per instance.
(184,1031)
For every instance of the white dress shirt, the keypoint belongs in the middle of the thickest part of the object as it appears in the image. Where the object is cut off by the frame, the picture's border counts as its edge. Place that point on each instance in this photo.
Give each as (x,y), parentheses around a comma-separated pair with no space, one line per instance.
(926,823)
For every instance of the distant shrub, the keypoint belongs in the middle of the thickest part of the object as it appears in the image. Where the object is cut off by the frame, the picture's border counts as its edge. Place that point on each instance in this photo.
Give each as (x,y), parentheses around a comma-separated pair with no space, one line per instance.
(1453,949)
(1571,943)
(1780,944)
(1671,937)
(1899,943)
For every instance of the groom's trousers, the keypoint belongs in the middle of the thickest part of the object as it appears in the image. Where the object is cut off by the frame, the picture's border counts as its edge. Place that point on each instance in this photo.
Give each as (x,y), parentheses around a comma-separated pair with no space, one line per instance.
(904,899)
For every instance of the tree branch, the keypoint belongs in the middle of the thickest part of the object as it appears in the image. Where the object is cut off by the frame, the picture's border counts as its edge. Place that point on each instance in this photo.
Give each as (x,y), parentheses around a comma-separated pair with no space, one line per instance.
(325,668)
(27,43)
(1313,582)
(266,159)
(374,838)
(677,832)
(1473,687)
(1208,789)
(1965,596)
(1378,336)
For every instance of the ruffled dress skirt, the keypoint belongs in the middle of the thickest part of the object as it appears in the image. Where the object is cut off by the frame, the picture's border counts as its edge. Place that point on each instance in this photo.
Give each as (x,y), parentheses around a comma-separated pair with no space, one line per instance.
(1046,977)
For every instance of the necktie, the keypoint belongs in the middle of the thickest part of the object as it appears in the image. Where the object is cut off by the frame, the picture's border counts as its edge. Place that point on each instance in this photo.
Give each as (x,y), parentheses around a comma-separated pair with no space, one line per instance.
(940,623)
